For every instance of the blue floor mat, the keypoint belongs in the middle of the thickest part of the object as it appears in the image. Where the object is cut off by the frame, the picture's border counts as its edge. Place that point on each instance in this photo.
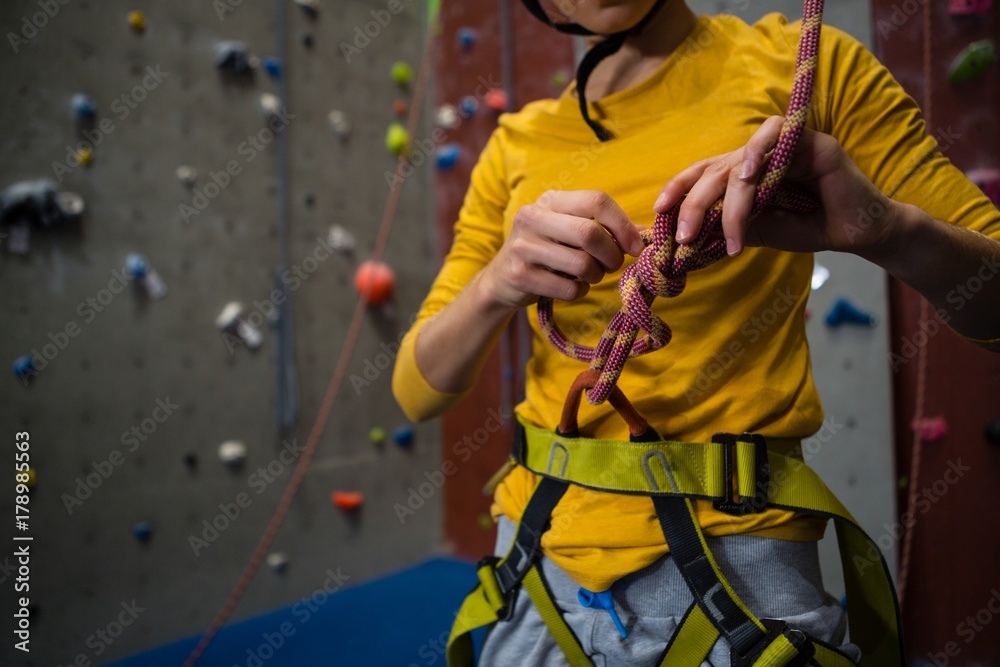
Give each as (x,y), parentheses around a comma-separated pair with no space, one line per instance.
(402,620)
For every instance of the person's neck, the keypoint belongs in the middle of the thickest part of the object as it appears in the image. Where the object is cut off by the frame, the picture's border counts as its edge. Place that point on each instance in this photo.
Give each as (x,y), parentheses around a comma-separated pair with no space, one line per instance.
(641,55)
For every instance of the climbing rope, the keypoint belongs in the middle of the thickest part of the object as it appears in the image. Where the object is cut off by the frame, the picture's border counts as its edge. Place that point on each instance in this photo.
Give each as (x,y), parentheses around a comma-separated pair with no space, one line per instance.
(662,268)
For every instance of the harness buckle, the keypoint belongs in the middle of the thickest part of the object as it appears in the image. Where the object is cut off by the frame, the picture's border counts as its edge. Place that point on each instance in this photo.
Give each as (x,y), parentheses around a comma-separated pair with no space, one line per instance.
(509,594)
(762,474)
(777,628)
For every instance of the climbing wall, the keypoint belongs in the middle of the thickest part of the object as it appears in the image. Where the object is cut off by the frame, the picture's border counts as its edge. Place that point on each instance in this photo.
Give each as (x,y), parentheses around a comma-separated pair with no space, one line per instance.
(951,601)
(133,396)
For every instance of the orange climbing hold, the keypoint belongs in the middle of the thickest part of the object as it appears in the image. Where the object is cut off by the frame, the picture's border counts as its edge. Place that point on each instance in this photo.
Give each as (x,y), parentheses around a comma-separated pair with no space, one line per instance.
(375,282)
(349,501)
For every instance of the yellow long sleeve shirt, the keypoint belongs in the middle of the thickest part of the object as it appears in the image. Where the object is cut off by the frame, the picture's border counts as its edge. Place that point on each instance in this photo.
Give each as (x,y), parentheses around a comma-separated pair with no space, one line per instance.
(739,359)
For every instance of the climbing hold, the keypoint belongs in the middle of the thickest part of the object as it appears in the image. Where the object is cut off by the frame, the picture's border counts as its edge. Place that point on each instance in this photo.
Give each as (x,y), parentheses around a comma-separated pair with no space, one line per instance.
(468,105)
(397,139)
(466,38)
(277,561)
(820,275)
(340,240)
(446,157)
(485,521)
(602,600)
(84,106)
(931,429)
(403,436)
(233,453)
(560,79)
(399,107)
(24,368)
(842,312)
(234,57)
(496,99)
(307,40)
(26,477)
(85,156)
(272,66)
(191,462)
(309,199)
(137,21)
(446,116)
(270,104)
(338,123)
(37,203)
(375,282)
(972,61)
(187,175)
(992,431)
(309,7)
(903,483)
(988,181)
(142,531)
(967,7)
(377,435)
(349,501)
(401,73)
(139,268)
(843,602)
(232,323)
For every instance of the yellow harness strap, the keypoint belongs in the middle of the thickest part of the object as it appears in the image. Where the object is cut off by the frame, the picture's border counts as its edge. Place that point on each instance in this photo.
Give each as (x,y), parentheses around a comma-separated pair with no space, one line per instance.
(769,474)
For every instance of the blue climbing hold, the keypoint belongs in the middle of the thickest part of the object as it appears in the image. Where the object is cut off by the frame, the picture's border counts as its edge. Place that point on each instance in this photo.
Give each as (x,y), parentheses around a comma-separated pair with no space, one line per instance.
(24,367)
(466,38)
(142,531)
(467,106)
(447,156)
(136,265)
(272,66)
(84,106)
(843,312)
(403,436)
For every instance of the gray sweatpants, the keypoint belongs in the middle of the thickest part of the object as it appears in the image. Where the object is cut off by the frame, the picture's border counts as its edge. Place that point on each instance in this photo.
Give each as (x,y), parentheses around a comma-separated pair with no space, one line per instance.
(774,578)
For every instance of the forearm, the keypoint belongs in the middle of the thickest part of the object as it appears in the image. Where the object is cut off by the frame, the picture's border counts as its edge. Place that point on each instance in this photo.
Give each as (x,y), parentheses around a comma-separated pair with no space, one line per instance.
(452,346)
(954,268)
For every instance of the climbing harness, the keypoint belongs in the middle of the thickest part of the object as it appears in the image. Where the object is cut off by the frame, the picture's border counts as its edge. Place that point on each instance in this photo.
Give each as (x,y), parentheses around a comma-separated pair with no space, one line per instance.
(740,474)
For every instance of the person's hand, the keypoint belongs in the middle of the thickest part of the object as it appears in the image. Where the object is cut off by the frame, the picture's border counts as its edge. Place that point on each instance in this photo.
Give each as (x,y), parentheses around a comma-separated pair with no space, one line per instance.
(853,215)
(559,246)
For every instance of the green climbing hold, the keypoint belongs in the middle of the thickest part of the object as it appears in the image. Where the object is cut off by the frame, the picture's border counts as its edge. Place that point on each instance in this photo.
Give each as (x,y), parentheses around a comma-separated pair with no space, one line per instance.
(377,435)
(974,59)
(397,139)
(402,73)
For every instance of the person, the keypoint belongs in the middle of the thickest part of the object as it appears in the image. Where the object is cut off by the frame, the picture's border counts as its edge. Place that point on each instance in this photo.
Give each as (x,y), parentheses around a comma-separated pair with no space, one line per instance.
(692,107)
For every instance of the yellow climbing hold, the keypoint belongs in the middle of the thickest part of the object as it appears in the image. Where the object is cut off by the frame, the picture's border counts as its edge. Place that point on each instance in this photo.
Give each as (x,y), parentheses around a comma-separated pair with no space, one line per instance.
(397,139)
(137,20)
(85,156)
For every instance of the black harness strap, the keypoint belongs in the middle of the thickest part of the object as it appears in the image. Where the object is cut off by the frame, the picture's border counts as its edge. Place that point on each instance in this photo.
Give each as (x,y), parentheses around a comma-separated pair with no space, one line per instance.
(528,541)
(683,538)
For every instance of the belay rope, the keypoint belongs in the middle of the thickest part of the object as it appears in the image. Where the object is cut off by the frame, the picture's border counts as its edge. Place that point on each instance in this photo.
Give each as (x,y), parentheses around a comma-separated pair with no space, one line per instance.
(739,474)
(662,268)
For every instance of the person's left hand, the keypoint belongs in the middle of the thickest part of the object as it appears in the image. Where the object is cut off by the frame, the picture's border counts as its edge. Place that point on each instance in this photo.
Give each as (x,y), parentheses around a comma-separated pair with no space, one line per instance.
(853,215)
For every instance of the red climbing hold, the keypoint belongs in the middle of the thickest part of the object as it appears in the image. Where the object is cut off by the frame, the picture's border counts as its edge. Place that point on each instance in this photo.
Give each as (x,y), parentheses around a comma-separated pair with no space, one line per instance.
(375,282)
(349,501)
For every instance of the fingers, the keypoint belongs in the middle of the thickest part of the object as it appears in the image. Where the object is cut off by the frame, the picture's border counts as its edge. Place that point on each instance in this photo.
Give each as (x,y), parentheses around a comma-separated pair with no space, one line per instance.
(734,175)
(599,206)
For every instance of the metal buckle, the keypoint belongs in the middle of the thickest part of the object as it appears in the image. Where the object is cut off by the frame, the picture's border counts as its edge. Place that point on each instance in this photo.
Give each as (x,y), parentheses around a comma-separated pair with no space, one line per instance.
(775,628)
(762,474)
(509,595)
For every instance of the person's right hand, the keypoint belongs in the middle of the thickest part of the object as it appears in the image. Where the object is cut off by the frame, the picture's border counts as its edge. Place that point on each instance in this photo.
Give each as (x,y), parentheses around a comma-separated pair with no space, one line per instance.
(559,246)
